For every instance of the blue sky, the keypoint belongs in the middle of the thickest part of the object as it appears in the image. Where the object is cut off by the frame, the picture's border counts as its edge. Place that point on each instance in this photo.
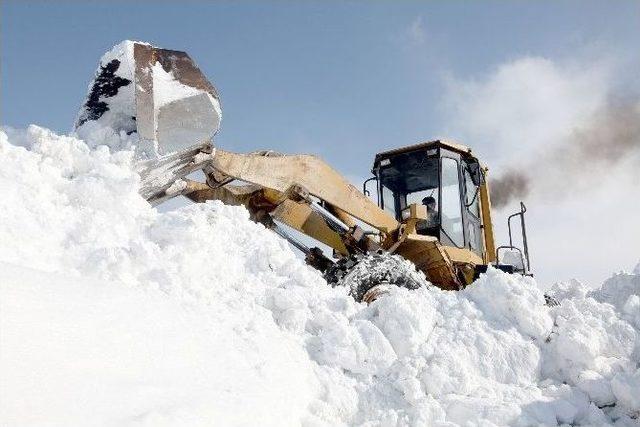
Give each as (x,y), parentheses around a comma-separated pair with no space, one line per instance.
(339,79)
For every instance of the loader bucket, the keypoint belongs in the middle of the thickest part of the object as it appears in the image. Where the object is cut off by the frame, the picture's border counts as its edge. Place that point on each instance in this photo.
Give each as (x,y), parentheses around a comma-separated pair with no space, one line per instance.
(157,93)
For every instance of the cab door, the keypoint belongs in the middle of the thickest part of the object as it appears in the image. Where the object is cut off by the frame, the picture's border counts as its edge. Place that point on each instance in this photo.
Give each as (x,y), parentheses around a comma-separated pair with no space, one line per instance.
(471,209)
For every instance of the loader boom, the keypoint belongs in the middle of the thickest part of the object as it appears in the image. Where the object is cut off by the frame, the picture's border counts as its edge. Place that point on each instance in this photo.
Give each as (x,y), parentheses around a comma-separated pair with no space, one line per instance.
(309,172)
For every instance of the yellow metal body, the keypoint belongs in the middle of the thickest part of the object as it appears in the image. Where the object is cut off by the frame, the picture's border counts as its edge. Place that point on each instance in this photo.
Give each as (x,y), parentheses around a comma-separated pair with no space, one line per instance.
(280,173)
(487,224)
(271,188)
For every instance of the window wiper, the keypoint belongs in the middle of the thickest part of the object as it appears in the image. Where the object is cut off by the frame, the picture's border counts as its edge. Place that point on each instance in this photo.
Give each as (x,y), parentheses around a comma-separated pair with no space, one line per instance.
(475,195)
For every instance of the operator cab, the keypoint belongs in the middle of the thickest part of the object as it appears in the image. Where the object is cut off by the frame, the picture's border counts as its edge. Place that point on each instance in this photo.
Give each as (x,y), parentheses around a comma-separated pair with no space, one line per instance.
(443,176)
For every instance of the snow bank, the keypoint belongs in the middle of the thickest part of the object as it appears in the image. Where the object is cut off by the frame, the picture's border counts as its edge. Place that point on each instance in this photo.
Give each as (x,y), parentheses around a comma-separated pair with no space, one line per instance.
(116,314)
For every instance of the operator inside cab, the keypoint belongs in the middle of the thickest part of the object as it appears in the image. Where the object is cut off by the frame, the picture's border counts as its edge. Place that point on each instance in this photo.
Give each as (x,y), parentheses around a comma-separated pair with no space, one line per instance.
(429,226)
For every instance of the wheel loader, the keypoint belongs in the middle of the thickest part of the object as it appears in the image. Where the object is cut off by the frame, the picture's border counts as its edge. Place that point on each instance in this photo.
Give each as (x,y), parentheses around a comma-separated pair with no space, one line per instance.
(433,202)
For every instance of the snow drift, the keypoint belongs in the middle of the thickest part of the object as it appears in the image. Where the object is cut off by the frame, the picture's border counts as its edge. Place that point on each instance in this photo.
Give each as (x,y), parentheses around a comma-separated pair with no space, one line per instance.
(116,314)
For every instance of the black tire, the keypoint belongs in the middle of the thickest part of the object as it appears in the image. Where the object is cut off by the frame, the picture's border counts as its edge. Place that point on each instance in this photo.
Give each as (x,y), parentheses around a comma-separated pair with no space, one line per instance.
(362,272)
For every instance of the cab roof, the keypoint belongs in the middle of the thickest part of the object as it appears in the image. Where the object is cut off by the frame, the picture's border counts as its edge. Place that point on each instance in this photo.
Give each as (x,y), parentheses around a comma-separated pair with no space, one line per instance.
(438,143)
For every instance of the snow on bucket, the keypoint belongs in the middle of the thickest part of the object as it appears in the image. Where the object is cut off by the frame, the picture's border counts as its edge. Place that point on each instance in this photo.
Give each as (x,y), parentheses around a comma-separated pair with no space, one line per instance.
(158,94)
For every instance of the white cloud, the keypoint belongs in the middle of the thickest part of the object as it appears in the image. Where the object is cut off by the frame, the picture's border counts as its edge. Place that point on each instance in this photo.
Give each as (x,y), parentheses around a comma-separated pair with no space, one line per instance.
(416,33)
(534,115)
(526,105)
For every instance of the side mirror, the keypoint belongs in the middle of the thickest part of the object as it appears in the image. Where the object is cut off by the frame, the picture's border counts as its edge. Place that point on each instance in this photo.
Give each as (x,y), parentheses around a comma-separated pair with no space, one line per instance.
(475,171)
(364,185)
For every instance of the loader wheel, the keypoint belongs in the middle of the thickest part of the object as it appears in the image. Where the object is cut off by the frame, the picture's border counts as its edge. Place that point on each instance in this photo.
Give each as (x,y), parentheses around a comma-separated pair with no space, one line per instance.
(369,275)
(550,301)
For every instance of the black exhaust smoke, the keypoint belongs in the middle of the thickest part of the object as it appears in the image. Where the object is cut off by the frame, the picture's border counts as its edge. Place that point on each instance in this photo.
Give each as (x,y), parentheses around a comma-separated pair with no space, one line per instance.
(611,136)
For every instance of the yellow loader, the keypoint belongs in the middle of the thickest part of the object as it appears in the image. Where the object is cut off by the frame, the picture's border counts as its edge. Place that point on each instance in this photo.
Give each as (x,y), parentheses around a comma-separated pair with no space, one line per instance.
(433,202)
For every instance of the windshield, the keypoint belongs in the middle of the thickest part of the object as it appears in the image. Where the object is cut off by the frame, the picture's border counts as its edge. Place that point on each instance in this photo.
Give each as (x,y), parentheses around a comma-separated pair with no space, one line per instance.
(409,178)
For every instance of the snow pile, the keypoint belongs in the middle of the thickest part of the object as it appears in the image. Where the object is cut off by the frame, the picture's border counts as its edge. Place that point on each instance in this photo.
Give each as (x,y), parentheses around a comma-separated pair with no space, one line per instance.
(622,292)
(116,314)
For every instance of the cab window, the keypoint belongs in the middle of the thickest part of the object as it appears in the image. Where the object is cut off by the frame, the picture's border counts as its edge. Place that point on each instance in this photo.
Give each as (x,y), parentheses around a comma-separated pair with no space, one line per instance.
(450,206)
(472,195)
(388,202)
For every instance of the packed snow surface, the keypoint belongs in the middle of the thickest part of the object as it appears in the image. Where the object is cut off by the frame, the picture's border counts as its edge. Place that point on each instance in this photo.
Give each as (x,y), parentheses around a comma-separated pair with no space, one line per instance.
(114,314)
